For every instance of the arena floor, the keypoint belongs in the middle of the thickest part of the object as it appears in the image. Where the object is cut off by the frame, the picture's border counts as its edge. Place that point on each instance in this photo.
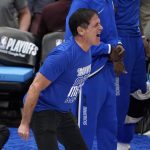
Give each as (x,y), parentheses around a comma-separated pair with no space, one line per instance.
(140,142)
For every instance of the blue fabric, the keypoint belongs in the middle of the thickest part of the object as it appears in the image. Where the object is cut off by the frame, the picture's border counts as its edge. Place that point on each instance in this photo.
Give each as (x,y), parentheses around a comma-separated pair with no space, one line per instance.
(135,79)
(98,111)
(127,20)
(127,17)
(67,66)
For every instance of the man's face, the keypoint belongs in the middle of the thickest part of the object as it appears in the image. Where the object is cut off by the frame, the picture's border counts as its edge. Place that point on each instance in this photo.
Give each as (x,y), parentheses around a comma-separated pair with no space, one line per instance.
(92,32)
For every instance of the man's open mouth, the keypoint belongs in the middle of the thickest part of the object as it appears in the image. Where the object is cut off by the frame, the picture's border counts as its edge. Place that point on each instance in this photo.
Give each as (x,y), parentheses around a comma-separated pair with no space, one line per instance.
(98,35)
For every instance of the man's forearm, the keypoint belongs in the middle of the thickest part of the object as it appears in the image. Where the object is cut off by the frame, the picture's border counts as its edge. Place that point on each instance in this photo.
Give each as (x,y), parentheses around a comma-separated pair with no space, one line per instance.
(31,101)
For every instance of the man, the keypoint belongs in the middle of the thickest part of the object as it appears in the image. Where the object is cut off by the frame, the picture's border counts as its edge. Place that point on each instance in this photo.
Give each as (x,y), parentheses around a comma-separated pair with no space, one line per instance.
(48,22)
(57,84)
(144,14)
(127,21)
(145,25)
(36,7)
(15,14)
(97,115)
(146,40)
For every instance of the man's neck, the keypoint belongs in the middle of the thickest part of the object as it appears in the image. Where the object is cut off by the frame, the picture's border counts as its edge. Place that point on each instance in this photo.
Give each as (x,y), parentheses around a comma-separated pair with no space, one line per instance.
(82,43)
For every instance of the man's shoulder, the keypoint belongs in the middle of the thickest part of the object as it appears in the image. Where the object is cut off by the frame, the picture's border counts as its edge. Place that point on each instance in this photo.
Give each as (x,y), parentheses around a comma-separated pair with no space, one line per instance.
(67,45)
(67,50)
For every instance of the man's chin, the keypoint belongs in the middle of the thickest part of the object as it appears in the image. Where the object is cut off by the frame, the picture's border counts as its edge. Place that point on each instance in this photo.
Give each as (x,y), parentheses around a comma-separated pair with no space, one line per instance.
(97,43)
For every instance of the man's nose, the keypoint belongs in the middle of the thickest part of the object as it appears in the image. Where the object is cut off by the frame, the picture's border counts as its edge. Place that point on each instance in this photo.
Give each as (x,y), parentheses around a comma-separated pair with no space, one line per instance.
(100,27)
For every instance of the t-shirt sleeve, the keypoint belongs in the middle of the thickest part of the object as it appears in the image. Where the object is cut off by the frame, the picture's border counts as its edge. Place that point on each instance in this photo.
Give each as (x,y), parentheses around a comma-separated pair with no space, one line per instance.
(54,65)
(20,4)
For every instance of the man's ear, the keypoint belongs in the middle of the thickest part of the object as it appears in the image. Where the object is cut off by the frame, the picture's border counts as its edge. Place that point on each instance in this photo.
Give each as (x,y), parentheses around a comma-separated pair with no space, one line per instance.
(80,30)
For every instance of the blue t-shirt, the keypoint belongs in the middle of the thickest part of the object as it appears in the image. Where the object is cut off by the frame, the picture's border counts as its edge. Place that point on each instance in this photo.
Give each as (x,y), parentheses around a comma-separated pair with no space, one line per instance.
(127,17)
(67,66)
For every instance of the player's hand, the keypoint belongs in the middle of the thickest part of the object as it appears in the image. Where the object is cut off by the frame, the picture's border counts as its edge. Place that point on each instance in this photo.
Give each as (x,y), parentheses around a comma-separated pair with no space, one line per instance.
(117,53)
(121,51)
(23,131)
(119,68)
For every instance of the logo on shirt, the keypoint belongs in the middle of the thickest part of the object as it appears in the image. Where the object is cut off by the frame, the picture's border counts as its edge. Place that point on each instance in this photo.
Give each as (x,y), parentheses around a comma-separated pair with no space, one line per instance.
(82,74)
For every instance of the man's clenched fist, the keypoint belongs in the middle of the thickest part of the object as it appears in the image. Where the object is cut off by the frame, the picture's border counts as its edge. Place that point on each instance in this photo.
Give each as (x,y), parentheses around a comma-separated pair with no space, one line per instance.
(117,53)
